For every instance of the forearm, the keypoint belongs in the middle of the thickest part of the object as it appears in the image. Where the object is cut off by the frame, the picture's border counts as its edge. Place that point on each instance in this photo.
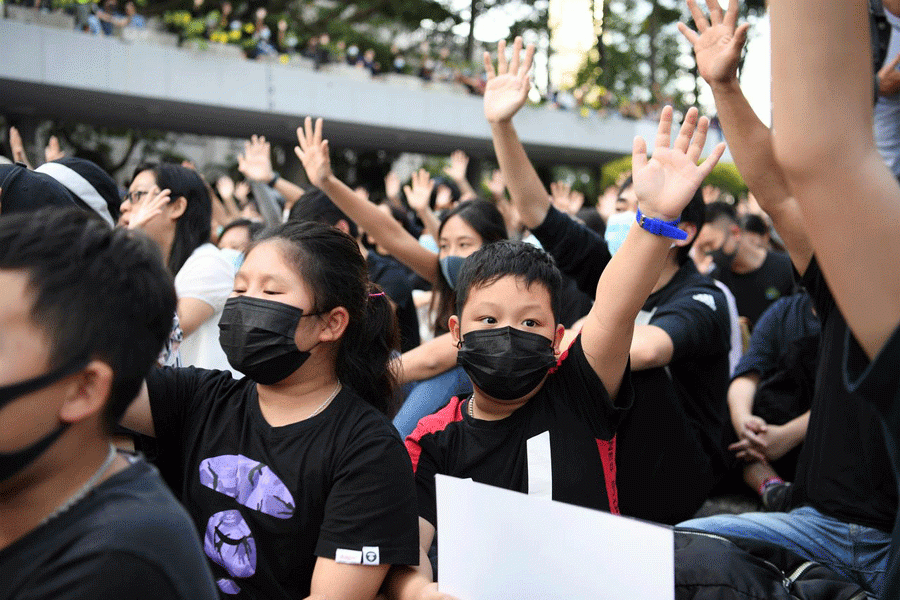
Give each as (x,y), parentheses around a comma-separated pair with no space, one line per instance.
(467,192)
(795,430)
(428,360)
(407,583)
(383,229)
(290,190)
(526,191)
(740,399)
(432,225)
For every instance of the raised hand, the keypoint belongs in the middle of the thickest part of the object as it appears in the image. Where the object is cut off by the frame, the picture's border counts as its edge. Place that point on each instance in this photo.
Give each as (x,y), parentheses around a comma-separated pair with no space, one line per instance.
(717,42)
(418,193)
(256,161)
(496,185)
(17,147)
(53,151)
(560,195)
(459,162)
(507,88)
(392,186)
(225,187)
(666,182)
(313,152)
(148,209)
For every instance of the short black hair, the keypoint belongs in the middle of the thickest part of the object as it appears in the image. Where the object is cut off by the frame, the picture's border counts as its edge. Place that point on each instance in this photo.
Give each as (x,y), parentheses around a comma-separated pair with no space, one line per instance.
(694,213)
(518,259)
(754,224)
(721,211)
(315,206)
(99,293)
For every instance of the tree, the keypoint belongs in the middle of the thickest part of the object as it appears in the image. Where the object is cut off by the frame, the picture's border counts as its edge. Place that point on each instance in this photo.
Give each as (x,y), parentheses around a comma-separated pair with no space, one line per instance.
(531,15)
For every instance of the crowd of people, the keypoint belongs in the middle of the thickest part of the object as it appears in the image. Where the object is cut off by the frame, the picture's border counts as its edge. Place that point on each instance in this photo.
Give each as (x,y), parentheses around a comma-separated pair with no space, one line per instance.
(221,389)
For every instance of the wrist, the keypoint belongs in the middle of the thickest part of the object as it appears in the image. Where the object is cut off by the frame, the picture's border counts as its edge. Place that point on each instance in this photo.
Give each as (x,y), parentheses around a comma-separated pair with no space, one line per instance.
(725,86)
(662,225)
(273,178)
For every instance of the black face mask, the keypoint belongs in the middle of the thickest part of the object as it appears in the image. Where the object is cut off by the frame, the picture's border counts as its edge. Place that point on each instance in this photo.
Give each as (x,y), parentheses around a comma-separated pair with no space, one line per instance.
(258,338)
(505,363)
(722,259)
(14,462)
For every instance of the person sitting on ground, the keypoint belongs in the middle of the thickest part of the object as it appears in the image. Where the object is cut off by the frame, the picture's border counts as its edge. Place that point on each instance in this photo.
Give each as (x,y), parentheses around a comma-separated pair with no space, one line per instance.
(542,420)
(671,463)
(844,495)
(171,204)
(84,311)
(755,275)
(293,473)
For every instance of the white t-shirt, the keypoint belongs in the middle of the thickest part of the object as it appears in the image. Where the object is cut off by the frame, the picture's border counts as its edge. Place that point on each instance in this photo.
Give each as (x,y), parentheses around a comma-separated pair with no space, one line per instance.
(208,276)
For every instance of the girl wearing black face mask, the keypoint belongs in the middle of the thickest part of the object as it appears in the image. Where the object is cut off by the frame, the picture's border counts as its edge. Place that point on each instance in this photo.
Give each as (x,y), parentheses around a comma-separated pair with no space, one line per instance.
(294,476)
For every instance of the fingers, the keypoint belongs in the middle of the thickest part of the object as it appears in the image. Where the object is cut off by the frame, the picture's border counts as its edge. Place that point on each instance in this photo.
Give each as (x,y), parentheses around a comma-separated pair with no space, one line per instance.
(740,37)
(514,61)
(317,133)
(501,57)
(698,141)
(712,160)
(489,66)
(638,154)
(698,16)
(664,131)
(685,134)
(691,35)
(715,12)
(529,60)
(731,15)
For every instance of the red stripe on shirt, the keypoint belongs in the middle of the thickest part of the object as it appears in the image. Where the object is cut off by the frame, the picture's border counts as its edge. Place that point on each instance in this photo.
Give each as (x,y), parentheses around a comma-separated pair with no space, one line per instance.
(608,458)
(432,424)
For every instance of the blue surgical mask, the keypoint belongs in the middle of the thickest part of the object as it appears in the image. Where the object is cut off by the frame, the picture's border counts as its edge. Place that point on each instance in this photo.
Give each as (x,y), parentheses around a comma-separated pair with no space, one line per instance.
(235,257)
(617,229)
(450,267)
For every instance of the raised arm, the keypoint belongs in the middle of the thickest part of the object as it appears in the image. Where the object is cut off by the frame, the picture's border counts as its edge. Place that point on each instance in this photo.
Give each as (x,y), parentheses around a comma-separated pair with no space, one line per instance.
(506,92)
(664,185)
(717,49)
(418,196)
(822,97)
(456,170)
(313,153)
(256,165)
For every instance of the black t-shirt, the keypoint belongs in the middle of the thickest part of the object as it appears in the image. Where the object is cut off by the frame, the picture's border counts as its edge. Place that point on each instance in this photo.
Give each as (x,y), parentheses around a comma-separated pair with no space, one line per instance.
(394,279)
(844,469)
(561,444)
(693,311)
(269,500)
(879,383)
(128,538)
(756,290)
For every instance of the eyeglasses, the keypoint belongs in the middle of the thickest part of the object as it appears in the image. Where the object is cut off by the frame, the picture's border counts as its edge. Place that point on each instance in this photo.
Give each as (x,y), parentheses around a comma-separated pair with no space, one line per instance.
(135,196)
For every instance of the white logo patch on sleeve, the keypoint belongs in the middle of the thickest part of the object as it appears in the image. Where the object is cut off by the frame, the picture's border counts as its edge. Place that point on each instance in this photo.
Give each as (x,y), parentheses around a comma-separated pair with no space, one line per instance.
(348,557)
(371,555)
(706,299)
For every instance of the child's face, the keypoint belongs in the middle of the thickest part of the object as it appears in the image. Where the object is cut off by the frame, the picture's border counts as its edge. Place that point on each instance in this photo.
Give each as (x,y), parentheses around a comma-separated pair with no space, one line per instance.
(458,238)
(508,303)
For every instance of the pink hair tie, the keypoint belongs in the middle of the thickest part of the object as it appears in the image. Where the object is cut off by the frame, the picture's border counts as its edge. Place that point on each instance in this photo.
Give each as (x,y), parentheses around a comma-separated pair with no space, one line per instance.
(376,294)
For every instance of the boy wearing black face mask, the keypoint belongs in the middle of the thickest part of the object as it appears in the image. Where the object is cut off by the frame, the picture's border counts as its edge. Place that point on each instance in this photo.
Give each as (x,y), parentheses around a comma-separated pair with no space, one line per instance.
(540,422)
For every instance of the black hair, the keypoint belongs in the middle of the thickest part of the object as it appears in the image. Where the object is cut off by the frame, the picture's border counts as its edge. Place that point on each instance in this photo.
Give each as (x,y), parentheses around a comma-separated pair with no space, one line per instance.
(591,218)
(754,224)
(98,293)
(193,227)
(254,228)
(508,258)
(694,213)
(315,205)
(629,181)
(719,211)
(486,220)
(331,264)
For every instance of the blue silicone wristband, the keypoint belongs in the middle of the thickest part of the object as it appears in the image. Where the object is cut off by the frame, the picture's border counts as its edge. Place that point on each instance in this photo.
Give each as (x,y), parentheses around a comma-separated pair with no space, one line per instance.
(667,229)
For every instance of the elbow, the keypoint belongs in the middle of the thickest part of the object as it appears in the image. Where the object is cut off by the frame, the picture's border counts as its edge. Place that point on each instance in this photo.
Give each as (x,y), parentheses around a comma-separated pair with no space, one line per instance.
(644,356)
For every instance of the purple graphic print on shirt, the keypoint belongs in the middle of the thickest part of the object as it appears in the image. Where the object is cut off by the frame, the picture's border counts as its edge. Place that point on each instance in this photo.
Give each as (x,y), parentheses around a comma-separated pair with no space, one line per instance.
(228,541)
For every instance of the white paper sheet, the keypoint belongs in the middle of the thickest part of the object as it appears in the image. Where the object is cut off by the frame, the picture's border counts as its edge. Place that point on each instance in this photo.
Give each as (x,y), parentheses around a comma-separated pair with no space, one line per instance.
(494,544)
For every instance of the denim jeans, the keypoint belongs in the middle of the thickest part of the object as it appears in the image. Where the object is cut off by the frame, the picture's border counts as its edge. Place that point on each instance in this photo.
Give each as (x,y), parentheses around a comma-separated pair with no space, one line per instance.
(856,552)
(430,395)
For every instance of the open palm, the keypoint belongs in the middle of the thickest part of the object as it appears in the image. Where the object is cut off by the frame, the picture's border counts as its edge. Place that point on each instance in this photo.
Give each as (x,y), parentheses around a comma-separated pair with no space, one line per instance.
(313,152)
(717,41)
(665,183)
(507,88)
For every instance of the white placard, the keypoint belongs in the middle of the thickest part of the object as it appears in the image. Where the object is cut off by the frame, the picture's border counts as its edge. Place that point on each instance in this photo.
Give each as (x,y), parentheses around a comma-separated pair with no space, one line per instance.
(494,544)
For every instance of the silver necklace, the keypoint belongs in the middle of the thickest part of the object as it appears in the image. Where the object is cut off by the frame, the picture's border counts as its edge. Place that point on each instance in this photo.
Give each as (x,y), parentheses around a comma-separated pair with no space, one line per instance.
(337,390)
(471,407)
(83,490)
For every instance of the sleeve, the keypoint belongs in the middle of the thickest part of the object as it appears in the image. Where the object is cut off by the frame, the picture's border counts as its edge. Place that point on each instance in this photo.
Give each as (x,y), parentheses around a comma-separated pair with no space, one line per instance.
(697,323)
(877,381)
(762,355)
(815,284)
(176,393)
(579,252)
(206,276)
(586,394)
(371,507)
(426,469)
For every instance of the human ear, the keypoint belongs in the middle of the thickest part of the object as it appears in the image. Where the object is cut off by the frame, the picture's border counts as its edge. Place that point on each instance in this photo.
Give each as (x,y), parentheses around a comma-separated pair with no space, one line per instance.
(89,393)
(453,324)
(336,322)
(691,231)
(557,339)
(343,226)
(177,208)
